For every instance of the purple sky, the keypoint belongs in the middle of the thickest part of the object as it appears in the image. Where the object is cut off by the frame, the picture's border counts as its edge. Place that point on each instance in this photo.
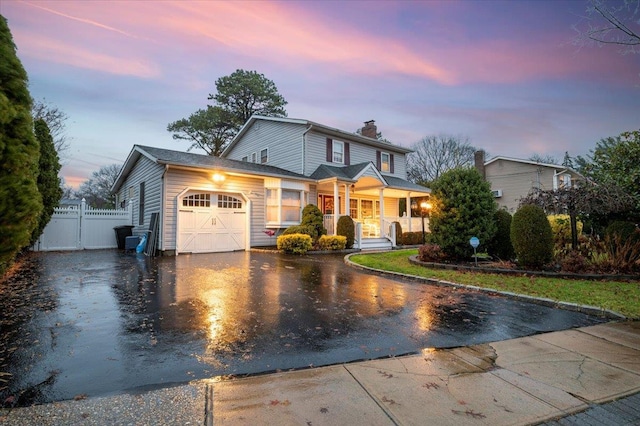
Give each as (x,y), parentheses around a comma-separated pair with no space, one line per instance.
(503,73)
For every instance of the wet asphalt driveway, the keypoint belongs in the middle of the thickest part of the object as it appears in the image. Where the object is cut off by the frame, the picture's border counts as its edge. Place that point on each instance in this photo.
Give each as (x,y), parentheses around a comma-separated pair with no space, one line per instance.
(102,322)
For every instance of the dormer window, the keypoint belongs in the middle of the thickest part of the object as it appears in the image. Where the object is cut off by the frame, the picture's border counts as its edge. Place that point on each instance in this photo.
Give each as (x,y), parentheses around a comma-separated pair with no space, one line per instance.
(338,152)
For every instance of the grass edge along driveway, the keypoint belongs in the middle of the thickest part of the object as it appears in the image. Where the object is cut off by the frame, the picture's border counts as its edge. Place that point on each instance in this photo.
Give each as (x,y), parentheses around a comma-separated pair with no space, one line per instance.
(618,296)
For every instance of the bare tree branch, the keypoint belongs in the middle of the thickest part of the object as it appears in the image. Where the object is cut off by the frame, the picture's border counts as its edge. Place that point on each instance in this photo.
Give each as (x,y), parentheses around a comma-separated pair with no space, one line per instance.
(608,22)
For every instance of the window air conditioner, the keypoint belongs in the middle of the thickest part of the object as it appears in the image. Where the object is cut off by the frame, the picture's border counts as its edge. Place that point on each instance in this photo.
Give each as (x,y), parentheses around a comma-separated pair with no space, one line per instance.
(497,193)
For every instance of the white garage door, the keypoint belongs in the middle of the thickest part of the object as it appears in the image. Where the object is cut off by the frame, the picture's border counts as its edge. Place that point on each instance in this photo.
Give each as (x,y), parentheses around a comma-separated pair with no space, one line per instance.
(211,222)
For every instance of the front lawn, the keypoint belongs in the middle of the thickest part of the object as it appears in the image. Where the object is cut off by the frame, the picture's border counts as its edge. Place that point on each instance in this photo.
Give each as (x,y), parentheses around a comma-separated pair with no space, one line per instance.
(619,296)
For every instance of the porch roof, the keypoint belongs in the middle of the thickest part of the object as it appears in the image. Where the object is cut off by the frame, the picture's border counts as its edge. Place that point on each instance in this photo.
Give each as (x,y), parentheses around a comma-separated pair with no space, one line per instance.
(352,173)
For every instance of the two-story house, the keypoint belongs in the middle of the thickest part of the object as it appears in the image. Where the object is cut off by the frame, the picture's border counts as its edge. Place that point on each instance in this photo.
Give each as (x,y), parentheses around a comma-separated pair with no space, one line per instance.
(512,179)
(271,170)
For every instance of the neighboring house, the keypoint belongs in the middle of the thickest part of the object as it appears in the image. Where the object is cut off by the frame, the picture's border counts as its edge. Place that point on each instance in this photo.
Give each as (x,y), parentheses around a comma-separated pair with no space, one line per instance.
(271,170)
(512,179)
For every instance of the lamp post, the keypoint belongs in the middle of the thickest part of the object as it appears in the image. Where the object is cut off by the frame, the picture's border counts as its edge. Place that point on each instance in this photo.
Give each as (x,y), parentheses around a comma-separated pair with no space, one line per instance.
(425,208)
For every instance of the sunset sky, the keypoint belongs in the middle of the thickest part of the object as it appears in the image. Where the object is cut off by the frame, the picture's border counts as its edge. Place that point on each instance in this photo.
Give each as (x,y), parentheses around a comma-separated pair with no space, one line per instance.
(505,74)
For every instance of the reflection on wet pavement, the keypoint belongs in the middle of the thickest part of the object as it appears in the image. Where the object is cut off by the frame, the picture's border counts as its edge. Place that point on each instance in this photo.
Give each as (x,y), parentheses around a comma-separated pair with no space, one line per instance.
(120,321)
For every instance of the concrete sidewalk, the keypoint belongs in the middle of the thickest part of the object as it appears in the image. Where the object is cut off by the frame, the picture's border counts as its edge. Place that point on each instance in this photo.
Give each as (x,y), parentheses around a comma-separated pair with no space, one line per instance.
(523,381)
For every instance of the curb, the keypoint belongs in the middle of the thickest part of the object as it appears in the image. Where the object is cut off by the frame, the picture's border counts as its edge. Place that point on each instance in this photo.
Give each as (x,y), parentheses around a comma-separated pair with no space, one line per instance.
(586,309)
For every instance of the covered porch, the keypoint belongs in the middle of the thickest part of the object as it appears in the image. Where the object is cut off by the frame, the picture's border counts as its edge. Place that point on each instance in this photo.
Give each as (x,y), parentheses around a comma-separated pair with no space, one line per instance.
(372,200)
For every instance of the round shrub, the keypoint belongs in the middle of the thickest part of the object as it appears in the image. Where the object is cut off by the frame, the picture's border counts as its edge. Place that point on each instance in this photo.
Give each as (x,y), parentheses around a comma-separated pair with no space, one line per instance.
(346,228)
(621,228)
(300,229)
(312,216)
(531,236)
(500,245)
(294,243)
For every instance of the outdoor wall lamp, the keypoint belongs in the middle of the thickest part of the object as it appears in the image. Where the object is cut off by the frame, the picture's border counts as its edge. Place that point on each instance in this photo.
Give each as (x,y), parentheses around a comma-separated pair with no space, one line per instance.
(218,177)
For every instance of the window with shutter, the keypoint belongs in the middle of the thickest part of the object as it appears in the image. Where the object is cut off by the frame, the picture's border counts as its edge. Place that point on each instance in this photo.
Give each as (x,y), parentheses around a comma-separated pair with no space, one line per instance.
(378,160)
(347,154)
(329,150)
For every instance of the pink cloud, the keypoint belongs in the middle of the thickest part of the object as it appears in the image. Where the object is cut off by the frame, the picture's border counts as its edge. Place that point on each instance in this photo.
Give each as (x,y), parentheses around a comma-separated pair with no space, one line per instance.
(295,36)
(58,51)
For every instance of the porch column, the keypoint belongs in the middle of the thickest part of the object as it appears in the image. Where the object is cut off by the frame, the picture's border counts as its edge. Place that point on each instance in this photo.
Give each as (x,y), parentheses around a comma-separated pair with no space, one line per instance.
(347,198)
(408,209)
(382,231)
(336,206)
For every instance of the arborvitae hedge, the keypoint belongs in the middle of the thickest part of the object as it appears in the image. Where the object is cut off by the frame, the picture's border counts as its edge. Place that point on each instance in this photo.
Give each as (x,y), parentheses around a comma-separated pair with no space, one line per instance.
(20,201)
(48,181)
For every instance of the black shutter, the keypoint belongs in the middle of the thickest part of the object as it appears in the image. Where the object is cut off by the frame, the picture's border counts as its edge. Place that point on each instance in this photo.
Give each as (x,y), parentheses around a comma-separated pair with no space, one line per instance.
(141,205)
(378,160)
(329,150)
(391,163)
(347,154)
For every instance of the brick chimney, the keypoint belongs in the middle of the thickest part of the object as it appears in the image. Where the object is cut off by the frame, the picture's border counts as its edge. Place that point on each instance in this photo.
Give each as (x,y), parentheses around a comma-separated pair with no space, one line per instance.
(478,158)
(370,130)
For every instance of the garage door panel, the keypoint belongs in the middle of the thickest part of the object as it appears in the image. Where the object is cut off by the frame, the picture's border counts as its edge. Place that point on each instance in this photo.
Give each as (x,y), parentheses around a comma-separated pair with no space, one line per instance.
(215,228)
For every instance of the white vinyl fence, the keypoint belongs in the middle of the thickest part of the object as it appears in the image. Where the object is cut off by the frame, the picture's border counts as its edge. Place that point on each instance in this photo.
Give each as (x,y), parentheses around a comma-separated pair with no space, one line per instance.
(82,227)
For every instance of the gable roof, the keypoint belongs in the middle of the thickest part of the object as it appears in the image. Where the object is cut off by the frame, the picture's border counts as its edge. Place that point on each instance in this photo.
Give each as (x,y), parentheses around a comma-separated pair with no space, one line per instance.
(311,125)
(199,161)
(353,172)
(534,163)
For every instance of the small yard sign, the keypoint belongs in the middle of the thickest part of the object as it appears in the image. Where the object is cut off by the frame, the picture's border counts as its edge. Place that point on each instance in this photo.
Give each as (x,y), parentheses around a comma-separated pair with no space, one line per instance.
(475,242)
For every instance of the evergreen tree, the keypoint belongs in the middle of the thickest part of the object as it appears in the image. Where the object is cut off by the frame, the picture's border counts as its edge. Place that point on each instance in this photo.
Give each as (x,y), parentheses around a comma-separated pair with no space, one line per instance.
(48,181)
(463,207)
(20,201)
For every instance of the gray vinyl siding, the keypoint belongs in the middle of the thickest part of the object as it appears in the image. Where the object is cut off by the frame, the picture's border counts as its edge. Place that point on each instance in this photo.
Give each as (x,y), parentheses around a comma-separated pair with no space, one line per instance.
(316,154)
(177,181)
(150,173)
(282,140)
(516,180)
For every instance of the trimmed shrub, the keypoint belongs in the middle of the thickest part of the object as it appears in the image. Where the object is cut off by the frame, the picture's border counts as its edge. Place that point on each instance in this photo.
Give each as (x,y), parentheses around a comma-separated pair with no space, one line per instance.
(294,243)
(500,245)
(622,228)
(312,216)
(561,229)
(398,233)
(531,236)
(411,238)
(299,229)
(346,228)
(332,242)
(430,253)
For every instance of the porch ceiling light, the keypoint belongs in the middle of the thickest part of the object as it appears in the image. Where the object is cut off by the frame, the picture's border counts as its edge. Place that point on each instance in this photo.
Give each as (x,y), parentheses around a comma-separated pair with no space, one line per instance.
(218,177)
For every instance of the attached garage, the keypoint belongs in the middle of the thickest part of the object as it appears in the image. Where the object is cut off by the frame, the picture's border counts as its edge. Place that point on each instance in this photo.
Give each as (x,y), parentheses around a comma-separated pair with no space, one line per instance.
(211,222)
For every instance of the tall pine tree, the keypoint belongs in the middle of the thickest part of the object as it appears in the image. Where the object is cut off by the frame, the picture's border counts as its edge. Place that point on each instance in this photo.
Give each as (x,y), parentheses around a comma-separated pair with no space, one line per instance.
(20,201)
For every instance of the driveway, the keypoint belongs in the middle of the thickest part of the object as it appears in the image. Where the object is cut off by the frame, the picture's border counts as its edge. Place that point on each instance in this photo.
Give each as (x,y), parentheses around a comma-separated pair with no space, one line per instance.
(102,322)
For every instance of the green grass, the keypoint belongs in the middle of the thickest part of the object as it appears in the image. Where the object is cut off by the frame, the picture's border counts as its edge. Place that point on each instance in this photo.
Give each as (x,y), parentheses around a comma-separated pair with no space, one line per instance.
(619,296)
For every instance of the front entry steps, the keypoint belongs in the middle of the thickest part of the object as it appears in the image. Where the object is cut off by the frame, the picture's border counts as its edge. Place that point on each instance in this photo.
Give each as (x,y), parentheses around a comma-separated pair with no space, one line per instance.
(375,244)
